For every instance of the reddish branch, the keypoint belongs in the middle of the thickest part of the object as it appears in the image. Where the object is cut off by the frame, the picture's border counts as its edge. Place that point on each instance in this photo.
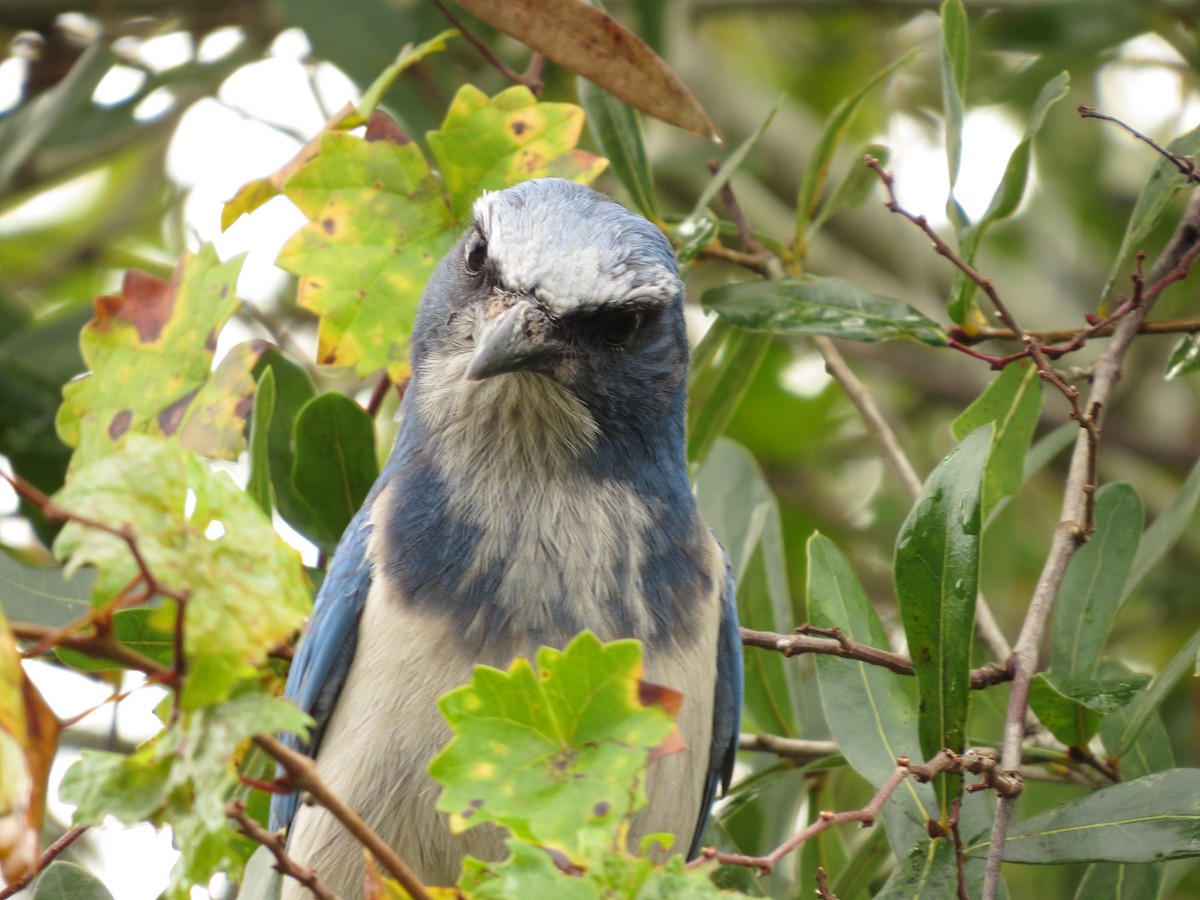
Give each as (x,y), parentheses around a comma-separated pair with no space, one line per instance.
(531,77)
(93,636)
(48,856)
(276,842)
(1185,164)
(1172,266)
(970,762)
(1058,336)
(836,643)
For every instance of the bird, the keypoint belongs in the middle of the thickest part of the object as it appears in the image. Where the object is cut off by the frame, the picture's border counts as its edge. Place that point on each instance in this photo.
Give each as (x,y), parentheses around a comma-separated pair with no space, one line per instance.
(537,487)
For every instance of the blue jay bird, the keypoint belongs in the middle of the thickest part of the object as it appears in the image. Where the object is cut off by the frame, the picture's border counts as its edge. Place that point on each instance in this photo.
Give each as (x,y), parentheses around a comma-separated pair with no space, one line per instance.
(538,487)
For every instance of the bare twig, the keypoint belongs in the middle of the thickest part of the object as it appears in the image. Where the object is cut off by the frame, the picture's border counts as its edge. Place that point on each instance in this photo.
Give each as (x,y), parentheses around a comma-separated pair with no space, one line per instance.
(1058,336)
(1185,164)
(48,856)
(531,78)
(788,748)
(836,366)
(276,843)
(946,761)
(1172,266)
(841,645)
(823,889)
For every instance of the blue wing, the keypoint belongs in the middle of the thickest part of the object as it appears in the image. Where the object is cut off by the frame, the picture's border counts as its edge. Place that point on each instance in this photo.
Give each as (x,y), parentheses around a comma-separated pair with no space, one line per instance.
(323,659)
(727,704)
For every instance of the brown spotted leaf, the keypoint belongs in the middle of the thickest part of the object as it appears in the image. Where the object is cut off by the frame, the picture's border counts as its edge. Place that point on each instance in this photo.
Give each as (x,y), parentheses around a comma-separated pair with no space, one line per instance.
(150,353)
(381,220)
(28,736)
(593,44)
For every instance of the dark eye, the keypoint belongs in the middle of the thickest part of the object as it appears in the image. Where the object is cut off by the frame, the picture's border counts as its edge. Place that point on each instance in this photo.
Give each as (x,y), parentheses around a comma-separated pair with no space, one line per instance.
(618,328)
(476,253)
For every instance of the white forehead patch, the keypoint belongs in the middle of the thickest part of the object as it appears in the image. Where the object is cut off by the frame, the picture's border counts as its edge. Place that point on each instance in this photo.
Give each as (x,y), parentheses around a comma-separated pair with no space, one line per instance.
(573,251)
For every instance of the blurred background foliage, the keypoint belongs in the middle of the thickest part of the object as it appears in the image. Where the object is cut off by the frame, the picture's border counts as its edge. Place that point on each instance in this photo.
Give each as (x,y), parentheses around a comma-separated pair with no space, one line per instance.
(89,124)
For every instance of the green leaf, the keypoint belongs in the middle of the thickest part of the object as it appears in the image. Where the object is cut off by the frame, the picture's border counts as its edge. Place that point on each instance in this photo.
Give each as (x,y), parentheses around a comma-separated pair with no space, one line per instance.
(815,305)
(693,235)
(1185,358)
(855,188)
(1072,708)
(182,778)
(734,161)
(335,463)
(928,872)
(816,169)
(937,574)
(67,881)
(199,533)
(258,484)
(1140,711)
(293,389)
(617,128)
(409,56)
(953,56)
(871,711)
(591,43)
(1005,200)
(380,221)
(136,630)
(1013,402)
(42,594)
(716,390)
(738,505)
(1149,819)
(551,752)
(1164,532)
(1092,589)
(150,351)
(1118,881)
(1149,752)
(1165,179)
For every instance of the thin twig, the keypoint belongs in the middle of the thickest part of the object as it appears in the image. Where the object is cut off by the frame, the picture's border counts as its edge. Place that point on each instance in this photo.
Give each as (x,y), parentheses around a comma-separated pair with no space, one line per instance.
(836,366)
(1059,335)
(532,78)
(302,773)
(48,856)
(843,646)
(824,891)
(788,748)
(1172,266)
(277,844)
(1185,164)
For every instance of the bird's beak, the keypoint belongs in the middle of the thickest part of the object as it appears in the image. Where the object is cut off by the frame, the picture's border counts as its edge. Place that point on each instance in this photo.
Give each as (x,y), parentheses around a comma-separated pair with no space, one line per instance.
(513,339)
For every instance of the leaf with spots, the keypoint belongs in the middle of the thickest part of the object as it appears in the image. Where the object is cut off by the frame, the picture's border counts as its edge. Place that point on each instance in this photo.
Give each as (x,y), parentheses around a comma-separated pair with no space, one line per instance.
(182,778)
(199,534)
(556,753)
(28,739)
(381,220)
(150,352)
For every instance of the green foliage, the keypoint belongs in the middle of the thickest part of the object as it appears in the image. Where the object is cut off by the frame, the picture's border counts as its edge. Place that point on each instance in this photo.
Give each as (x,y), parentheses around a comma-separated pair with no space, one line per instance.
(182,778)
(380,220)
(554,754)
(200,536)
(937,573)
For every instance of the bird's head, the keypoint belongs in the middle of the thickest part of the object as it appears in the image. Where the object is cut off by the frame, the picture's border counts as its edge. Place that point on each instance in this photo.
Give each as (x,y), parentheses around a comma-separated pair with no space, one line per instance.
(557,290)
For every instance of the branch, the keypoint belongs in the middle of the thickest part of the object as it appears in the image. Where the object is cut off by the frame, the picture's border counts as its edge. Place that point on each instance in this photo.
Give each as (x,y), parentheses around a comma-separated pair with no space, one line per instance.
(946,761)
(788,748)
(837,644)
(1060,335)
(531,78)
(302,773)
(276,843)
(48,856)
(1185,164)
(1172,266)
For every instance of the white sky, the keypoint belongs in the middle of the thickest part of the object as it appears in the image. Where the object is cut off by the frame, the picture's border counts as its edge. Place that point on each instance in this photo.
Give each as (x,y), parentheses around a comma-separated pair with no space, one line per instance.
(223,143)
